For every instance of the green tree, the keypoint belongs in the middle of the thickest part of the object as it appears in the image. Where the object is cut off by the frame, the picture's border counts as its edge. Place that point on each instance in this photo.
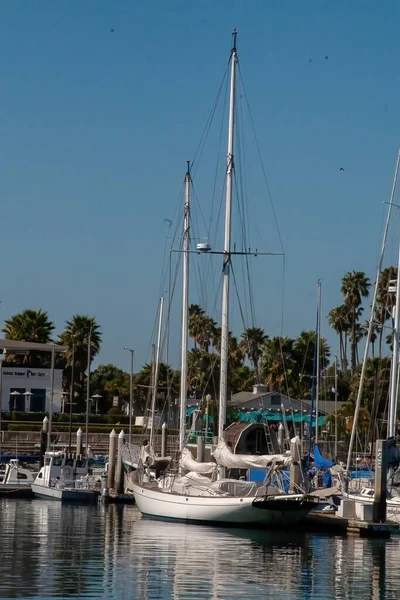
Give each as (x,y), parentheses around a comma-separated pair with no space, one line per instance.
(253,340)
(203,373)
(30,326)
(167,386)
(375,390)
(76,336)
(108,381)
(278,364)
(303,354)
(355,287)
(340,322)
(384,301)
(202,328)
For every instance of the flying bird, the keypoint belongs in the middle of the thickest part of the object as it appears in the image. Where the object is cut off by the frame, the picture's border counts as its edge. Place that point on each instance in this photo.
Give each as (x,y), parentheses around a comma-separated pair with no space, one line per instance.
(341,169)
(112,30)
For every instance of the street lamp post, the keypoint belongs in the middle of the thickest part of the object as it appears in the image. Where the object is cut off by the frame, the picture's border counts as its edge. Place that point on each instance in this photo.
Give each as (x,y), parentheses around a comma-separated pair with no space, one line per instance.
(28,396)
(89,360)
(64,397)
(15,394)
(130,394)
(96,398)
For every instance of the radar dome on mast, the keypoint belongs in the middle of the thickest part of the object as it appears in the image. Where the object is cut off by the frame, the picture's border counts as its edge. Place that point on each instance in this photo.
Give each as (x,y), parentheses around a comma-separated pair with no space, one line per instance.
(203,247)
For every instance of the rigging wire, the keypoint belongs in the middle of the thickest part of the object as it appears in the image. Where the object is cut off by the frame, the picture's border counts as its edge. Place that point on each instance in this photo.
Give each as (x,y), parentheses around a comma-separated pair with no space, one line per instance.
(261,161)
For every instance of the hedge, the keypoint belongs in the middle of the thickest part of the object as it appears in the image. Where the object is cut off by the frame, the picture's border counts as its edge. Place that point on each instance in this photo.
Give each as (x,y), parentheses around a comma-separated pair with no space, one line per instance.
(64,417)
(92,428)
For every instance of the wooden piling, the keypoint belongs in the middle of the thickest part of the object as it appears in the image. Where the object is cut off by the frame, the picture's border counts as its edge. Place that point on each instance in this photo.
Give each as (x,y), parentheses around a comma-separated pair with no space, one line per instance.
(111,459)
(119,478)
(379,505)
(164,433)
(79,436)
(43,440)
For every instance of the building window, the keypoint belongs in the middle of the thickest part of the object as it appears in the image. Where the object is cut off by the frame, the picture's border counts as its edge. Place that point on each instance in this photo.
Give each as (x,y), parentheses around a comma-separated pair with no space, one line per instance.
(17,401)
(38,400)
(275,400)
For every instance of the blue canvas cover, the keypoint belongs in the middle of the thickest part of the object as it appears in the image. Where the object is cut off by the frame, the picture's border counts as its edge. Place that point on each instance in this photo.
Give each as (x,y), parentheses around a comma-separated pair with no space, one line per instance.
(320,461)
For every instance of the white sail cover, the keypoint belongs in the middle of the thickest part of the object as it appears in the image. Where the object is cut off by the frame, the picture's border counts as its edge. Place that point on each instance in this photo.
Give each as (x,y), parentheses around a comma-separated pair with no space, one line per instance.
(188,463)
(225,458)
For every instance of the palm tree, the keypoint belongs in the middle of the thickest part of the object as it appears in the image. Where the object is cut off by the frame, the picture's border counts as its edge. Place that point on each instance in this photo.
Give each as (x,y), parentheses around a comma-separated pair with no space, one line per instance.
(252,344)
(304,352)
(278,363)
(196,314)
(76,336)
(203,373)
(384,301)
(355,287)
(202,328)
(339,321)
(30,326)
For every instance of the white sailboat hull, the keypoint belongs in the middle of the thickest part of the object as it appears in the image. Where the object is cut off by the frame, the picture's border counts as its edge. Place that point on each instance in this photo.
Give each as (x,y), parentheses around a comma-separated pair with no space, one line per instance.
(392,505)
(215,509)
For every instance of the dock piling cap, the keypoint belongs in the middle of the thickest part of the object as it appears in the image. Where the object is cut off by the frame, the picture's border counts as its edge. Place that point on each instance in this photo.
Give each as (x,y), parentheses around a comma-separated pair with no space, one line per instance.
(113,434)
(121,435)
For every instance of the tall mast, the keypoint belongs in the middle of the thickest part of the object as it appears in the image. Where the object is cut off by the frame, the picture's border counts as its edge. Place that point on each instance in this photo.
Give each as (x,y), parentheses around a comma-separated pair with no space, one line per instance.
(371,320)
(185,300)
(156,370)
(223,388)
(394,381)
(317,341)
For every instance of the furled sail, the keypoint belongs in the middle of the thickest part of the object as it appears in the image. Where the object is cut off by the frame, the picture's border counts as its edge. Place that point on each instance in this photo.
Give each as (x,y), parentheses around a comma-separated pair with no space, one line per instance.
(188,463)
(225,458)
(320,461)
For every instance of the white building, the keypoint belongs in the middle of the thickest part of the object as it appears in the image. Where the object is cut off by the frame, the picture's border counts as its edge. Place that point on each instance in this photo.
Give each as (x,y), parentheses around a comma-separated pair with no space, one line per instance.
(25,389)
(28,390)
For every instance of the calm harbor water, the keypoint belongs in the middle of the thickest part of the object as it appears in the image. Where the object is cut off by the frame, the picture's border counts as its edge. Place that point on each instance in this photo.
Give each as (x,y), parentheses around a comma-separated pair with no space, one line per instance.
(52,551)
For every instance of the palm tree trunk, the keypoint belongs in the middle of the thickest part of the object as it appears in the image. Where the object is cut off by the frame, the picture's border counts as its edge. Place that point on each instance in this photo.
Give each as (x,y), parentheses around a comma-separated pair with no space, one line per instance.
(353,343)
(380,339)
(342,360)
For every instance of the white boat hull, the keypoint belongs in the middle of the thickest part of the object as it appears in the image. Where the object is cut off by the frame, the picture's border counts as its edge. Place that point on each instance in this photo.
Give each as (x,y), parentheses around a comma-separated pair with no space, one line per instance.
(65,494)
(215,509)
(392,505)
(15,489)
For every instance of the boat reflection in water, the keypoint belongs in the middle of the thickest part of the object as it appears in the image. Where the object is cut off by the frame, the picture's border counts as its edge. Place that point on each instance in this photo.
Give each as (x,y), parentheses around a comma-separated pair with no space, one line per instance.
(50,550)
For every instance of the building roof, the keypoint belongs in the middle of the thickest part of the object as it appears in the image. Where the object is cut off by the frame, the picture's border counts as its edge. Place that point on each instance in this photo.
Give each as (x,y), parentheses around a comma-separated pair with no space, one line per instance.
(10,345)
(242,398)
(324,406)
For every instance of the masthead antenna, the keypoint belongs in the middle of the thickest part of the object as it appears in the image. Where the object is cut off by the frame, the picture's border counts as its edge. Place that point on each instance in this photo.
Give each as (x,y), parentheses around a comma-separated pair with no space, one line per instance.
(234,34)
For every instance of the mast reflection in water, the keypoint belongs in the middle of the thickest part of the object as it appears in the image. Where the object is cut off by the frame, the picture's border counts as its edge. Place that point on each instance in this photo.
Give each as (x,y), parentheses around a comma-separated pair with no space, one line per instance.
(49,550)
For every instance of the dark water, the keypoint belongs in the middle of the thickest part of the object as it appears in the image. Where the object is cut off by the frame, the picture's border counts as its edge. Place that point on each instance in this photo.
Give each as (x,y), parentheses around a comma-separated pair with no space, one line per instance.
(52,551)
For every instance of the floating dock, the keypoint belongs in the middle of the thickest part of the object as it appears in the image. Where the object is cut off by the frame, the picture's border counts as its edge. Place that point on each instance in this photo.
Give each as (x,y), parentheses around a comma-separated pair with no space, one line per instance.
(331,522)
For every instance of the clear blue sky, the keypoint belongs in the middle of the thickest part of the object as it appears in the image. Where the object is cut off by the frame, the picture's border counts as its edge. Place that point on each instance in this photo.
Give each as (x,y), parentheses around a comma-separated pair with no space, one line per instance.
(96,125)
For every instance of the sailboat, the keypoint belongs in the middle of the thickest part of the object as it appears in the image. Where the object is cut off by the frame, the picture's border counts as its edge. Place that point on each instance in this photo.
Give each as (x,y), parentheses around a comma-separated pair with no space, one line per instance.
(364,495)
(194,496)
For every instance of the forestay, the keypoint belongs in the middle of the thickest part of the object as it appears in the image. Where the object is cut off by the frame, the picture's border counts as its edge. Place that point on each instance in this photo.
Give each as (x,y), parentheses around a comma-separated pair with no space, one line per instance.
(225,458)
